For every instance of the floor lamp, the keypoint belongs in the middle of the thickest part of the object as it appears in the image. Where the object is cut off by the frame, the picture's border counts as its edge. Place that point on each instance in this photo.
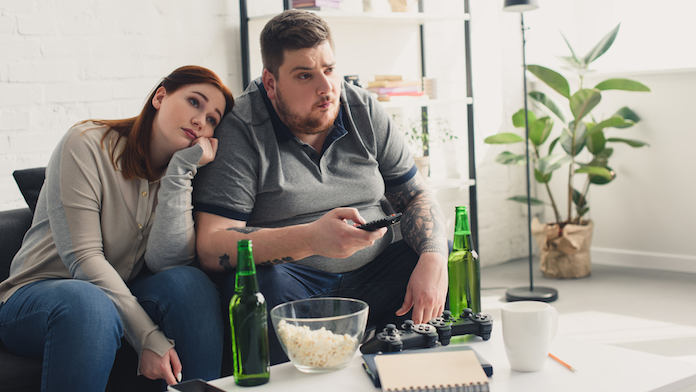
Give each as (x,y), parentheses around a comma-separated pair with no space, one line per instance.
(530,293)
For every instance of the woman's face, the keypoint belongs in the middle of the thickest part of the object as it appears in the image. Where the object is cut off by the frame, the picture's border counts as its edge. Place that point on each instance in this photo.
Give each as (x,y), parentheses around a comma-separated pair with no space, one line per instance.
(188,113)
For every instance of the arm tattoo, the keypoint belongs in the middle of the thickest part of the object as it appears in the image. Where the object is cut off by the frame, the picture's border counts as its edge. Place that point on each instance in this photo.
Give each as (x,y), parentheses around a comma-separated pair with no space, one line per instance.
(423,224)
(225,262)
(270,263)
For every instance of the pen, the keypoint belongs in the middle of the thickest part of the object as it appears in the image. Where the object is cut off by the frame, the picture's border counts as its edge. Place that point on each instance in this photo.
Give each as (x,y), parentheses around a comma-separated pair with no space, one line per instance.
(562,363)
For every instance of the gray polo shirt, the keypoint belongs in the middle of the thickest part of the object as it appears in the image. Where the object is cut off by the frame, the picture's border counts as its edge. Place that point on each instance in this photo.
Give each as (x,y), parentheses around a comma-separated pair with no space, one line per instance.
(266,176)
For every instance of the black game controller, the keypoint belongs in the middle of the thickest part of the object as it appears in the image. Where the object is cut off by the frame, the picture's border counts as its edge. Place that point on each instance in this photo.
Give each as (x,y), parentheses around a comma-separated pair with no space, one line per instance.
(440,329)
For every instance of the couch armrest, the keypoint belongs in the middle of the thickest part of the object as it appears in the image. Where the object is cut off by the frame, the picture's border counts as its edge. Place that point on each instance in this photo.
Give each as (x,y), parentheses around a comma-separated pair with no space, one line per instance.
(13,225)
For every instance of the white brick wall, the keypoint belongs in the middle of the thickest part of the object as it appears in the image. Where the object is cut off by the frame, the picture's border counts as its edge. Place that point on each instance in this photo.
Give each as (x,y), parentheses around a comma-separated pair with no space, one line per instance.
(66,61)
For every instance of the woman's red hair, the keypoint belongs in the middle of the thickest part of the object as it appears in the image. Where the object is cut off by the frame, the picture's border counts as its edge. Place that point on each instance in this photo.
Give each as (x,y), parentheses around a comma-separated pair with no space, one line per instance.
(135,157)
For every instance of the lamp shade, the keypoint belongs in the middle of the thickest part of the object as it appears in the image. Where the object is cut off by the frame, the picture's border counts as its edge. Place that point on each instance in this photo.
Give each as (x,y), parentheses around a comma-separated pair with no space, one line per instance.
(520,5)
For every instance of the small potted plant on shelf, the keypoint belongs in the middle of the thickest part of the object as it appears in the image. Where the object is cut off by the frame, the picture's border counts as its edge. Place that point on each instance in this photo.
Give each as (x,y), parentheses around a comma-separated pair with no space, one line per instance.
(565,242)
(421,133)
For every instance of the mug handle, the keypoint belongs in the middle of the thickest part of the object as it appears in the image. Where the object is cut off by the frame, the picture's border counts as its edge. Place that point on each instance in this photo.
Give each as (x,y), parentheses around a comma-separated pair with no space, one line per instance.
(554,321)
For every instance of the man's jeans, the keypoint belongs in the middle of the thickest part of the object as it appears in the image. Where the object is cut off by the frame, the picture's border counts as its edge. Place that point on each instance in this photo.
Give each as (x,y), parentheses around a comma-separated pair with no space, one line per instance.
(381,283)
(76,329)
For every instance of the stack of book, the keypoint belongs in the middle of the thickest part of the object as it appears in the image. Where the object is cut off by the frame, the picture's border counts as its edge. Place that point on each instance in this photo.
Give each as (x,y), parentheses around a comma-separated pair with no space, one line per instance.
(317,5)
(388,87)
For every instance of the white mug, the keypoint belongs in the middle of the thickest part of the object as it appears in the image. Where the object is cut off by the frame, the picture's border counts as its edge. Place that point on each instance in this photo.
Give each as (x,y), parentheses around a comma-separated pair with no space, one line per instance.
(528,329)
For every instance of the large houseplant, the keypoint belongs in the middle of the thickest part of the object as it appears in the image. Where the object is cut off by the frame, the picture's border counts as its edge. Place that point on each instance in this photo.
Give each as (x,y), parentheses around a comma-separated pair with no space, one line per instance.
(565,242)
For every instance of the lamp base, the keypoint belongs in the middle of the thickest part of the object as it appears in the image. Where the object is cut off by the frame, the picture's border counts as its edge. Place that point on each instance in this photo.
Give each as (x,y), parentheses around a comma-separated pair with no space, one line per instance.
(543,294)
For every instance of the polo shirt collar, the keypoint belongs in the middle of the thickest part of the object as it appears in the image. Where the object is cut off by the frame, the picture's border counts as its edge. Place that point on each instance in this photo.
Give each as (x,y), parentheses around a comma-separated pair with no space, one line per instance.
(282,132)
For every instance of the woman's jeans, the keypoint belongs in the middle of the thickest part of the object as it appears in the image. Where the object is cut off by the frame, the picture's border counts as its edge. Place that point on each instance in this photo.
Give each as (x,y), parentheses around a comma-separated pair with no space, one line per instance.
(76,329)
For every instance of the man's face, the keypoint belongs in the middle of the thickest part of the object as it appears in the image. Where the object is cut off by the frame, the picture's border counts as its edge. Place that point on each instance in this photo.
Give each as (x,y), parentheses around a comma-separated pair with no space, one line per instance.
(307,91)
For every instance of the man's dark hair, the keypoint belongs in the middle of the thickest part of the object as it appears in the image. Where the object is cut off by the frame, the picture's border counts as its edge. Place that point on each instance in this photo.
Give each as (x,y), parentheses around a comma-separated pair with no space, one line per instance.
(292,30)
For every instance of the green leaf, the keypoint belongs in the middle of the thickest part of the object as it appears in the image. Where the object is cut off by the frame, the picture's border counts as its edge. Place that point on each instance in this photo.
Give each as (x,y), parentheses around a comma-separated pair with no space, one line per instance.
(596,171)
(578,199)
(621,84)
(518,118)
(629,115)
(508,158)
(574,141)
(503,138)
(541,177)
(523,199)
(552,78)
(582,211)
(602,180)
(583,101)
(602,46)
(596,142)
(630,142)
(613,121)
(572,61)
(552,162)
(547,104)
(540,130)
(574,58)
(553,144)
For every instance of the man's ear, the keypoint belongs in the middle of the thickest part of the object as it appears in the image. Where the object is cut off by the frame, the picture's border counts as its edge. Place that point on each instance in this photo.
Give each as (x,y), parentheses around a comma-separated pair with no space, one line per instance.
(269,83)
(158,97)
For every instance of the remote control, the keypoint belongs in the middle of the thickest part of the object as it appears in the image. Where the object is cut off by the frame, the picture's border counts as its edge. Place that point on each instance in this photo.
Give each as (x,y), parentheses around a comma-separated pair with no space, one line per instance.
(384,222)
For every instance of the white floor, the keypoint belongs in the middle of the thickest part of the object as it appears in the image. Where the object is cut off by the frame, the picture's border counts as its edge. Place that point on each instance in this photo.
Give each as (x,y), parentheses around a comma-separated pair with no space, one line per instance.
(645,310)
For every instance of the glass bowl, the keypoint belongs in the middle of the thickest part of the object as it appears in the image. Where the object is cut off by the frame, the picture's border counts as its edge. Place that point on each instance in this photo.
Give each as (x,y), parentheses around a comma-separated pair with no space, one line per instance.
(320,334)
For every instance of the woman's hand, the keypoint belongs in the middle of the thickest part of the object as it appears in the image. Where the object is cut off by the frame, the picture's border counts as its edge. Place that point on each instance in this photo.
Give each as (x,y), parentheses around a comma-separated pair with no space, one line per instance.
(210,146)
(155,367)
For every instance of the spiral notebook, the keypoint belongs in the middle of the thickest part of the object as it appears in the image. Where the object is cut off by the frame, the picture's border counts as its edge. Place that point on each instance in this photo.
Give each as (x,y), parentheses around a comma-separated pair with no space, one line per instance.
(432,371)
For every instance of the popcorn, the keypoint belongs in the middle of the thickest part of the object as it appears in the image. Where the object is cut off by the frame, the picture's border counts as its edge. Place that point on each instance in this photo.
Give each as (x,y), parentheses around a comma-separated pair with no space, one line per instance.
(318,348)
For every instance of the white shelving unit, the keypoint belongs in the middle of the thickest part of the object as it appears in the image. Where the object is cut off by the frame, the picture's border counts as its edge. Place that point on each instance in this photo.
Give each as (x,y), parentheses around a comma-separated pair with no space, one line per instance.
(396,43)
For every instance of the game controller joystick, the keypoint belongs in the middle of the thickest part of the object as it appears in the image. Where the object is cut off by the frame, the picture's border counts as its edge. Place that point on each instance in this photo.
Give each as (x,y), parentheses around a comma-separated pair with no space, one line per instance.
(440,329)
(473,323)
(409,336)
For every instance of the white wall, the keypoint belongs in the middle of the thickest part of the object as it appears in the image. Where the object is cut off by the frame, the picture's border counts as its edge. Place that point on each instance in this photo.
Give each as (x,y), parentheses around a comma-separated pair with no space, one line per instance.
(66,61)
(645,218)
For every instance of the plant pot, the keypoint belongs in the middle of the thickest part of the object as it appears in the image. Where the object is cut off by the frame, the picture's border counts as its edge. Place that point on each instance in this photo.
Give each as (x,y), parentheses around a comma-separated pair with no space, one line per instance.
(564,253)
(423,165)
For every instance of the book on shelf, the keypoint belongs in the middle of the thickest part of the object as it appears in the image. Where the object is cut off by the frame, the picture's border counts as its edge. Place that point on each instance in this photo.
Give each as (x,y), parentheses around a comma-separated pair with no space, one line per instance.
(394,83)
(317,5)
(396,97)
(388,77)
(397,89)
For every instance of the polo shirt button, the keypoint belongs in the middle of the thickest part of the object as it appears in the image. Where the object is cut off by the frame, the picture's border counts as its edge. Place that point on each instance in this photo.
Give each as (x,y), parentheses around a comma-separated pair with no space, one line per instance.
(144,193)
(130,266)
(140,237)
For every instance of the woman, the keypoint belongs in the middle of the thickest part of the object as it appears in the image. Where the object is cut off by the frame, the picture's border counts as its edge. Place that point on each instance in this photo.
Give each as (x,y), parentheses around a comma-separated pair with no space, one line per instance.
(110,245)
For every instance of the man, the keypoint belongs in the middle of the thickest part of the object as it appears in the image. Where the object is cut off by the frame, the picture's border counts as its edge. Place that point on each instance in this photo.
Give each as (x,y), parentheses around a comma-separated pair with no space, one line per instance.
(302,154)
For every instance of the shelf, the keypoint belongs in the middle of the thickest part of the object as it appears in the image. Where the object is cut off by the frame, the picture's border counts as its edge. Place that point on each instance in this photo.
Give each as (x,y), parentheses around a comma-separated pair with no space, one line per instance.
(401,103)
(385,17)
(450,183)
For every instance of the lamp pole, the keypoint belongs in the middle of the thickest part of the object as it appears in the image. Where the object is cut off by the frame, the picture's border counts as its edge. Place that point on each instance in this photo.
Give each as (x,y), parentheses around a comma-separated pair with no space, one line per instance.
(544,294)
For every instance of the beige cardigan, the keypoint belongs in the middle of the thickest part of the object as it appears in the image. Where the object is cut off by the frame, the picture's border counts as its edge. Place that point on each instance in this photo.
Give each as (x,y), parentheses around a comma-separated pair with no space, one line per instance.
(83,228)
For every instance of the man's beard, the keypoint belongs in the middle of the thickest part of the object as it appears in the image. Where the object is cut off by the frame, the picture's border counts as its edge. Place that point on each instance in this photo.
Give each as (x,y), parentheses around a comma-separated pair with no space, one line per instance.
(300,124)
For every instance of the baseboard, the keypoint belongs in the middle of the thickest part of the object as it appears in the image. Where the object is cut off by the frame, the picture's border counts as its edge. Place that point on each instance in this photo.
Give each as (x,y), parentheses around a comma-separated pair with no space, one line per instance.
(645,260)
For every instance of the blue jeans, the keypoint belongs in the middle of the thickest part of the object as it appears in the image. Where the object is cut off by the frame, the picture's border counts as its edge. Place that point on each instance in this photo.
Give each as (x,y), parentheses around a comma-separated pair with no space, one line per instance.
(76,329)
(381,283)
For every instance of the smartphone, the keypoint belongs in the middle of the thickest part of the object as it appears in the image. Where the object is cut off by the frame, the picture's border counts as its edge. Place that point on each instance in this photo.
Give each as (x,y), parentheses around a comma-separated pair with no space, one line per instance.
(196,385)
(384,222)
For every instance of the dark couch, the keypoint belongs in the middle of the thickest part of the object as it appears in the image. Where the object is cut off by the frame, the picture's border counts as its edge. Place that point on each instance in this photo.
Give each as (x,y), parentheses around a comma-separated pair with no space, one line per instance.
(24,374)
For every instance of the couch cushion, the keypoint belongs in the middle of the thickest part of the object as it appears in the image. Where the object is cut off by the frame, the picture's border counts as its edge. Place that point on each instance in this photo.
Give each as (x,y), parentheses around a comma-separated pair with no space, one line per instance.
(30,182)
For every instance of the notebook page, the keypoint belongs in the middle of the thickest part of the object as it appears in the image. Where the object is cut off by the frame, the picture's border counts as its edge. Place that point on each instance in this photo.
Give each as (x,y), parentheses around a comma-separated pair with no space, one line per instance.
(429,370)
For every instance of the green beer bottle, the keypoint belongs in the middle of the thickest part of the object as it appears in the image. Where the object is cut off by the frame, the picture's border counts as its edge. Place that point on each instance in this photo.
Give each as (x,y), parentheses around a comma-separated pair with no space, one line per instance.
(249,323)
(463,268)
